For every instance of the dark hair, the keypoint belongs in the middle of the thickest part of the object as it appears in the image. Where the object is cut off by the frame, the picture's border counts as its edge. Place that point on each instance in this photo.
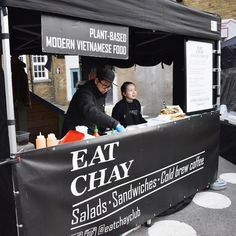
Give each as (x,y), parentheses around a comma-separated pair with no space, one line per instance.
(124,86)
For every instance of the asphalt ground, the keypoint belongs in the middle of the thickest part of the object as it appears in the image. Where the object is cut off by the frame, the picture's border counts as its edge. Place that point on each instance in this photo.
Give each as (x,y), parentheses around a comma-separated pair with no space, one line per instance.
(210,213)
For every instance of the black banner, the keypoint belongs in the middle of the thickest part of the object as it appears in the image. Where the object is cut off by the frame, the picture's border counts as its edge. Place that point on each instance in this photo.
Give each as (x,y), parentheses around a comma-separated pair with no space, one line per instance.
(108,185)
(67,36)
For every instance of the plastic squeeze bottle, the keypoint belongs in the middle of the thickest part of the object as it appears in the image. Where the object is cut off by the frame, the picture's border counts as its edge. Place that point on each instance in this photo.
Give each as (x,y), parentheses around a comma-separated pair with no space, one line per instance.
(51,140)
(40,141)
(96,134)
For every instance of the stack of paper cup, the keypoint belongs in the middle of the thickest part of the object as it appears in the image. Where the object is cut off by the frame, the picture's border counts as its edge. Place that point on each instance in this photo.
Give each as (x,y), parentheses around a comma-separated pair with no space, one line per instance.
(84,129)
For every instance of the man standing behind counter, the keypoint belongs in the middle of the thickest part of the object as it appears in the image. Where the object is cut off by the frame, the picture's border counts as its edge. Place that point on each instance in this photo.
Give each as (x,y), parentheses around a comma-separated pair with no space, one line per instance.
(87,106)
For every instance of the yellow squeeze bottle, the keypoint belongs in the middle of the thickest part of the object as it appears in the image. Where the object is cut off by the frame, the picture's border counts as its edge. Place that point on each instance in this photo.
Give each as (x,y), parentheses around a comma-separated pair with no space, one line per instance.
(51,140)
(40,141)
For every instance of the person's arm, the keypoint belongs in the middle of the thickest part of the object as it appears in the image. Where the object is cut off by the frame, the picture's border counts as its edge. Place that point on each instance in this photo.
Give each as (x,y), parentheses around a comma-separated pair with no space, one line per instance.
(116,112)
(141,119)
(92,113)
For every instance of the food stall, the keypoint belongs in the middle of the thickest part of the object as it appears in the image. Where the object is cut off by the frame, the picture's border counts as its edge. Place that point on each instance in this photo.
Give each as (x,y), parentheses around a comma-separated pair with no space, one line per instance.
(108,185)
(228,100)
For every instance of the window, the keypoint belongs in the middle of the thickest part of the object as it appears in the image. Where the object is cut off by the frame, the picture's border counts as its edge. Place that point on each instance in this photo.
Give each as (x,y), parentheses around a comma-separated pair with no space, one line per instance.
(75,78)
(39,71)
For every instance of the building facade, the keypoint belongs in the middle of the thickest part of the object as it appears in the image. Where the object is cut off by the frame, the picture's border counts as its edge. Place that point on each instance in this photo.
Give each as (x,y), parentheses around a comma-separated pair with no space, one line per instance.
(224,8)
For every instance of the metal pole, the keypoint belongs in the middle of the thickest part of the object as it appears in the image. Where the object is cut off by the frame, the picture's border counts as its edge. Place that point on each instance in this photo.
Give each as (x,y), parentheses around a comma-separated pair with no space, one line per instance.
(31,73)
(6,63)
(219,72)
(6,59)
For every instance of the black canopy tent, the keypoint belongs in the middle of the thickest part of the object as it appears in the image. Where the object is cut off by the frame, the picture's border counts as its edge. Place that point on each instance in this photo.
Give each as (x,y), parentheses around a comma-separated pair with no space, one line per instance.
(228,52)
(149,23)
(166,16)
(156,28)
(163,16)
(228,98)
(228,81)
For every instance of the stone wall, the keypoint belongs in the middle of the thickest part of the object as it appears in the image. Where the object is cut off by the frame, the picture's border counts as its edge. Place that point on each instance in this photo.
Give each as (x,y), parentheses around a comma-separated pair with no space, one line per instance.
(59,79)
(154,85)
(225,8)
(53,89)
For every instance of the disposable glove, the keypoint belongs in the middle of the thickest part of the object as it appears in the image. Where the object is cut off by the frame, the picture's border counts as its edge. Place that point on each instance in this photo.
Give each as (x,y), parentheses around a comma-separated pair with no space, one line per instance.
(120,128)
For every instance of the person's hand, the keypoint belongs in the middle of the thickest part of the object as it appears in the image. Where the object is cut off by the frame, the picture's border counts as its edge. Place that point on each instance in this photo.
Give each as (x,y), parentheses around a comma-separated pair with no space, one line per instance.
(120,128)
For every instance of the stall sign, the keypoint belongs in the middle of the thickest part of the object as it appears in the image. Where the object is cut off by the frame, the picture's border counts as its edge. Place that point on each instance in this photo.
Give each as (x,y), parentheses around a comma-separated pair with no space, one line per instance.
(199,76)
(108,185)
(68,36)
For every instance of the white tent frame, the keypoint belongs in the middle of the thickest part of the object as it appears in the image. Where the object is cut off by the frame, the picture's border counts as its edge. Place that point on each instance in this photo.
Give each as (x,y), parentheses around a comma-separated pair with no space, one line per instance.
(6,61)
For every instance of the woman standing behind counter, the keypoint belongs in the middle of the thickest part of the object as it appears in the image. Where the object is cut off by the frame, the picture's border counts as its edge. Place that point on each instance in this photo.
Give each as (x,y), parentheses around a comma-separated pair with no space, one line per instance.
(128,110)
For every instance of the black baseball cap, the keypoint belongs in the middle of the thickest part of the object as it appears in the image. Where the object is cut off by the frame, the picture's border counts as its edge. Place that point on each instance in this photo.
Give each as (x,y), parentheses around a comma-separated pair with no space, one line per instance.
(106,74)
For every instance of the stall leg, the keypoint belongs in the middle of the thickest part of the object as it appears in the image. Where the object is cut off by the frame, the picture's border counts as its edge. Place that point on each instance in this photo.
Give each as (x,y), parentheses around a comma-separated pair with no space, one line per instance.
(148,223)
